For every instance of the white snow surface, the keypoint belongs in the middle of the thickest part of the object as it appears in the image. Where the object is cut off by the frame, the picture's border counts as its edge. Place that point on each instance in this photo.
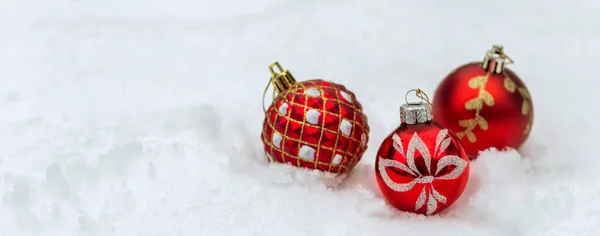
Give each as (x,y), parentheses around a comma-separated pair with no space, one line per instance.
(130,117)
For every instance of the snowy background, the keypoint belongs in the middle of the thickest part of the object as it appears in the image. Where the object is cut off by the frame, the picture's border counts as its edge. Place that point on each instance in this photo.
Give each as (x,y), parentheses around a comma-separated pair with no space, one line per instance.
(129,117)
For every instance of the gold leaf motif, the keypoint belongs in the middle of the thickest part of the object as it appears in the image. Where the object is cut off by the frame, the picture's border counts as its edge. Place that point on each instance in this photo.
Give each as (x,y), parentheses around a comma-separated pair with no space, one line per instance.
(478,82)
(468,124)
(474,104)
(463,123)
(487,98)
(523,91)
(483,124)
(471,136)
(509,84)
(525,108)
(484,96)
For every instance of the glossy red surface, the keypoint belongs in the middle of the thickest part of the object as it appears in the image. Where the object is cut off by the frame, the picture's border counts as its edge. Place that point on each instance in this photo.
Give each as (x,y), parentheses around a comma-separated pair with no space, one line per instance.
(316,124)
(421,168)
(484,110)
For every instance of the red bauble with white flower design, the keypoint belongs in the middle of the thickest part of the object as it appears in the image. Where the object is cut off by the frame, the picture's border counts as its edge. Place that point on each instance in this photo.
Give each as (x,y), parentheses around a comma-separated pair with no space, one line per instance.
(421,167)
(314,124)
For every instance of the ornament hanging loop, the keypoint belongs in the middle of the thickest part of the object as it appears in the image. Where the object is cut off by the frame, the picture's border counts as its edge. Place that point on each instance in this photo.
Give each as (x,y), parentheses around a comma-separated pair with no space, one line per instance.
(500,50)
(418,93)
(281,80)
(265,95)
(495,60)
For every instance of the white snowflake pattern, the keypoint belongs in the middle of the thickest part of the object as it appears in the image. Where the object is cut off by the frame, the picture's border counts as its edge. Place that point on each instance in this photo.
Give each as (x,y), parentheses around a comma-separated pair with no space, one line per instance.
(415,143)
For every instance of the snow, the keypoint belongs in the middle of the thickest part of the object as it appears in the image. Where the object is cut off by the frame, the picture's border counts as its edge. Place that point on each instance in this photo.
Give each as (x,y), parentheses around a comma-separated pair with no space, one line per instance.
(126,117)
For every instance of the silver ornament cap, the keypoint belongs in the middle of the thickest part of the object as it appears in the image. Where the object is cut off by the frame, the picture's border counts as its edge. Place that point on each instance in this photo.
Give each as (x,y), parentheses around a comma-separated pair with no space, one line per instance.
(416,113)
(495,60)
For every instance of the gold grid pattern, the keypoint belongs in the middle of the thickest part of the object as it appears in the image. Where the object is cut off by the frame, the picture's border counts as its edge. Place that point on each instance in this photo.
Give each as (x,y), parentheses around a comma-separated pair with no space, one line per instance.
(299,89)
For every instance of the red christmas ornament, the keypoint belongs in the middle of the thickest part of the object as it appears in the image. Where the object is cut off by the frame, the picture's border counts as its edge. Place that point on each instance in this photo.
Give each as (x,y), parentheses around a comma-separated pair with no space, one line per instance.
(421,167)
(314,124)
(485,104)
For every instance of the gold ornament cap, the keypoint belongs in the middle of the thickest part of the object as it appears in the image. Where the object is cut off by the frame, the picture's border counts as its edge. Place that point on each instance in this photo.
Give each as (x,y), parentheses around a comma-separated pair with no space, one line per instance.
(416,113)
(495,60)
(281,80)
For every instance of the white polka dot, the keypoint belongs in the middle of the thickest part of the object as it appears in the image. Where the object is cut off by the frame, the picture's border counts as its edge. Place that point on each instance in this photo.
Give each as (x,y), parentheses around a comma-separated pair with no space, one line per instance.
(337,159)
(312,116)
(346,96)
(346,127)
(307,153)
(313,92)
(283,109)
(276,139)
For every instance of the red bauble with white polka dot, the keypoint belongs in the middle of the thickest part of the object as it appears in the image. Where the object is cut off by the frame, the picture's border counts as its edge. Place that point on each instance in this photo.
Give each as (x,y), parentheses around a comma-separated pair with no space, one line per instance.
(314,124)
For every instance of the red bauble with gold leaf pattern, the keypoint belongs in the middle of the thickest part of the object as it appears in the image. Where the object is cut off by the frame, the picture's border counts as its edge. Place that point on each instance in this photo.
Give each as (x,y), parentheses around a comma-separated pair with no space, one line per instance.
(316,124)
(421,167)
(485,109)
